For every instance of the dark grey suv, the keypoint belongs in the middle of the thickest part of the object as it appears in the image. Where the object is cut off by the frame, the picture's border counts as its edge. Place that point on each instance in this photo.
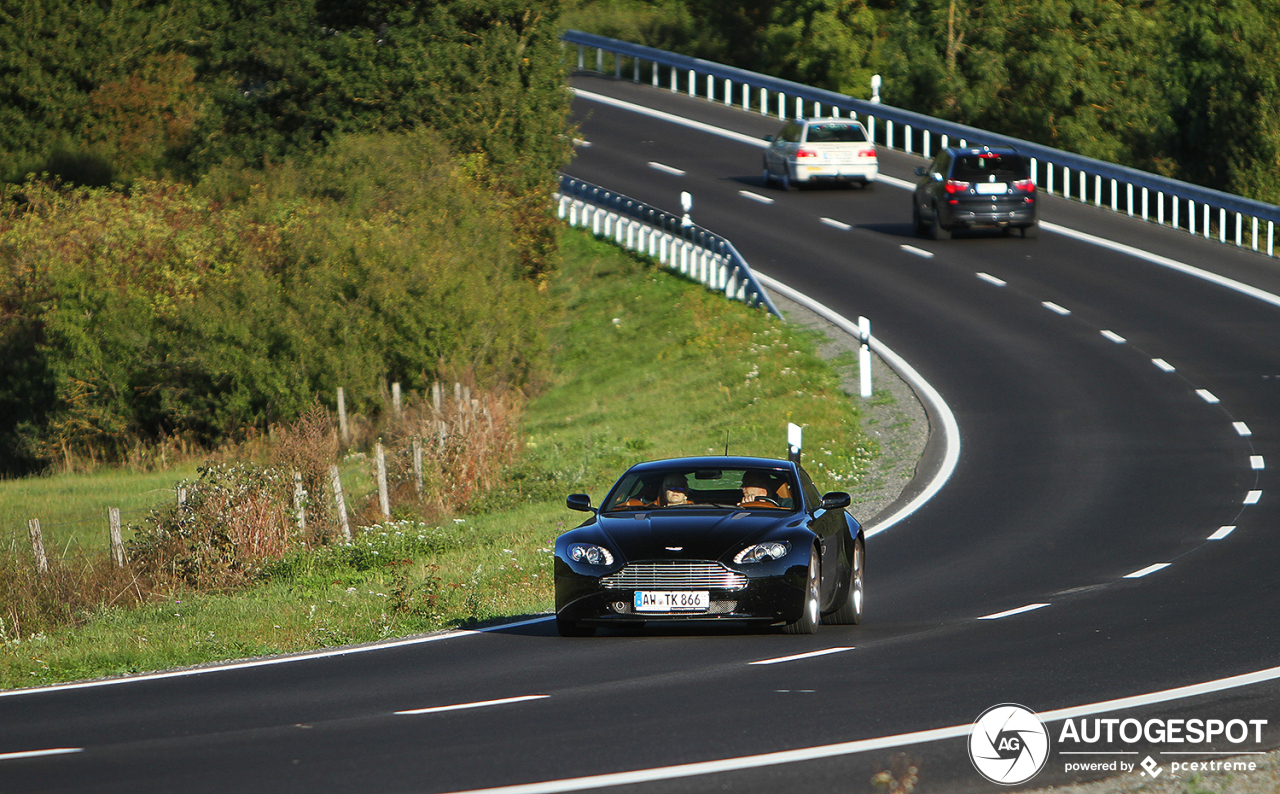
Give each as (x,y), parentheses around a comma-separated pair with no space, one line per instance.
(978,186)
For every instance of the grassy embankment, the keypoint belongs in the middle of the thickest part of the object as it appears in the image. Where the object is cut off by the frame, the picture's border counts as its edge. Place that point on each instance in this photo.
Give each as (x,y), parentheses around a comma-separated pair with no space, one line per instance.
(647,365)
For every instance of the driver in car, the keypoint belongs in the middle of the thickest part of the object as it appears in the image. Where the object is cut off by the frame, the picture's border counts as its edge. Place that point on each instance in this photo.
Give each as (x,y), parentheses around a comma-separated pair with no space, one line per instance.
(756,490)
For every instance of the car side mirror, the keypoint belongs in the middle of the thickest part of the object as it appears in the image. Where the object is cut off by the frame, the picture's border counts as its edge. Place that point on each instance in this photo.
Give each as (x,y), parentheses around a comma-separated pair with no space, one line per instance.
(921,170)
(579,501)
(833,500)
(769,138)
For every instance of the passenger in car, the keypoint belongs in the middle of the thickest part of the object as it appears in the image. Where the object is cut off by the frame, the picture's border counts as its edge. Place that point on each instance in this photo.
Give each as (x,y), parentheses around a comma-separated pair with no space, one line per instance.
(675,490)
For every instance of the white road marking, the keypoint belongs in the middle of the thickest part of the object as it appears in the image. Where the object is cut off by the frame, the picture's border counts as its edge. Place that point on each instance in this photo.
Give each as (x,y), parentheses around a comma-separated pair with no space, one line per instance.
(1256,463)
(755,197)
(40,753)
(798,656)
(911,249)
(268,662)
(1162,364)
(666,169)
(476,705)
(671,117)
(1207,396)
(1011,612)
(866,745)
(1148,570)
(990,279)
(1242,428)
(1053,307)
(1222,533)
(1114,337)
(1252,497)
(841,225)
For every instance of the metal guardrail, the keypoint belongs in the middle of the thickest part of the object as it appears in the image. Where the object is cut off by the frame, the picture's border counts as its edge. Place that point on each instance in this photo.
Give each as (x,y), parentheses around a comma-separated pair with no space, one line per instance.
(1181,205)
(697,253)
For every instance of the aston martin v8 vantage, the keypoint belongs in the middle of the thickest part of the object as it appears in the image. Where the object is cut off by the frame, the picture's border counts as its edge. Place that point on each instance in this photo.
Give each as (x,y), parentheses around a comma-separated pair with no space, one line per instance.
(711,539)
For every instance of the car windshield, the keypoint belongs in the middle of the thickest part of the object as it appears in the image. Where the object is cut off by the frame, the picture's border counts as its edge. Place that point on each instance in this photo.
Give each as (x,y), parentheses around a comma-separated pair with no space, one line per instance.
(976,167)
(835,132)
(681,488)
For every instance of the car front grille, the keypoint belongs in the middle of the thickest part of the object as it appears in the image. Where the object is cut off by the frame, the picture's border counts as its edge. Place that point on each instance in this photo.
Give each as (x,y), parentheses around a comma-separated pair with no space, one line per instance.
(675,575)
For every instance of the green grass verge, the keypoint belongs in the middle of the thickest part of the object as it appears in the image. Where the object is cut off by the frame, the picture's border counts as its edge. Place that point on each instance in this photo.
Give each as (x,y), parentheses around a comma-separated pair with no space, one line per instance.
(647,365)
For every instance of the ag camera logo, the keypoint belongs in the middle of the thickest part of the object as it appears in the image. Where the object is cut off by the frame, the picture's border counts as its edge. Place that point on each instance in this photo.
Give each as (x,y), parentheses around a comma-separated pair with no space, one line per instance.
(1008,744)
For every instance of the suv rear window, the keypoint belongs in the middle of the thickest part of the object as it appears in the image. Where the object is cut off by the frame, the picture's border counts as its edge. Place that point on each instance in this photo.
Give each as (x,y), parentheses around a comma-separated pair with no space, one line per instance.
(835,133)
(977,166)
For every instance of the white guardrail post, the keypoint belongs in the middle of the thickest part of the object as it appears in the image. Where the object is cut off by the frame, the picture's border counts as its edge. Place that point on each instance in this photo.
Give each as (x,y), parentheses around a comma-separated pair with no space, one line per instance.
(1231,209)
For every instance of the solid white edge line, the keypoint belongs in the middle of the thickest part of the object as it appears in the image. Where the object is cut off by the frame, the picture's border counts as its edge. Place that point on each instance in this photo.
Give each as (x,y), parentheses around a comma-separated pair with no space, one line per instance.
(755,197)
(1053,307)
(40,753)
(674,119)
(1256,463)
(666,169)
(949,430)
(1012,612)
(477,705)
(911,249)
(841,225)
(1164,365)
(1114,337)
(1242,428)
(990,279)
(1221,533)
(1207,396)
(1253,497)
(797,657)
(1150,569)
(274,660)
(864,745)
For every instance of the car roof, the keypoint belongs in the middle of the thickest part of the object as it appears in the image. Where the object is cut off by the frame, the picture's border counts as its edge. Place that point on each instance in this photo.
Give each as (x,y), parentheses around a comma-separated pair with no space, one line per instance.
(715,462)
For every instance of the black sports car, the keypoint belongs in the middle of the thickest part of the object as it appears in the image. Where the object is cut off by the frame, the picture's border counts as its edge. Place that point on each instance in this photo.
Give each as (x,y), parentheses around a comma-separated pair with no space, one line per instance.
(714,538)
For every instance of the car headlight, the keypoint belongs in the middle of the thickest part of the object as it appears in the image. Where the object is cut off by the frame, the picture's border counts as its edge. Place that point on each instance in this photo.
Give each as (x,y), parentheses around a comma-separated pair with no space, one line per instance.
(760,552)
(590,553)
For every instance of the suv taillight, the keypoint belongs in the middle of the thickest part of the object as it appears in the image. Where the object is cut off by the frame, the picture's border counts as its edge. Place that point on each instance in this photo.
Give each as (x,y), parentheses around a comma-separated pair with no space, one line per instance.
(954,186)
(806,153)
(1025,184)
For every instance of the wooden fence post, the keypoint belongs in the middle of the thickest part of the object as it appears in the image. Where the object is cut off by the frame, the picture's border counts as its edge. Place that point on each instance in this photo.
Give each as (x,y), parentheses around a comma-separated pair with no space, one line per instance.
(435,396)
(37,545)
(117,545)
(182,496)
(395,399)
(340,502)
(417,465)
(300,501)
(342,415)
(383,500)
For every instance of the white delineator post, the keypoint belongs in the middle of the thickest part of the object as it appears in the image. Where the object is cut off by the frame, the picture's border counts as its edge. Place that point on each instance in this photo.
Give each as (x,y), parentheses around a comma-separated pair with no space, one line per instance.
(864,356)
(795,441)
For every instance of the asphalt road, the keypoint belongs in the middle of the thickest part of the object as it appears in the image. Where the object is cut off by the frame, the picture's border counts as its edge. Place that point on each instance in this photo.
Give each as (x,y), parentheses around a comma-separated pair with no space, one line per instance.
(1082,462)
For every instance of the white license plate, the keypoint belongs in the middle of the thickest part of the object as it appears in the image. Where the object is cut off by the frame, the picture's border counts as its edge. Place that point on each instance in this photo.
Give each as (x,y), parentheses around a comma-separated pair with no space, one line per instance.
(991,188)
(836,157)
(672,600)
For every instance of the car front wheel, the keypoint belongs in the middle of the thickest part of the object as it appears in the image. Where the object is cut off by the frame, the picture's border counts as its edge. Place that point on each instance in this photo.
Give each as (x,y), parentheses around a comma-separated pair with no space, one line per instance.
(808,622)
(850,612)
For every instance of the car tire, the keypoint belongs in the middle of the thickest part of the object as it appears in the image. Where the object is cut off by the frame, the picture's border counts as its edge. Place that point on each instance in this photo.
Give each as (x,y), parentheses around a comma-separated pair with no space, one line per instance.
(850,612)
(767,177)
(1031,232)
(937,231)
(784,181)
(808,622)
(568,628)
(920,226)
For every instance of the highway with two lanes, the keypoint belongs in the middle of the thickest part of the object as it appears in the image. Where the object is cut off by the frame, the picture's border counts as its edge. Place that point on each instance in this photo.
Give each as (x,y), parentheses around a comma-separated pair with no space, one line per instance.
(1104,548)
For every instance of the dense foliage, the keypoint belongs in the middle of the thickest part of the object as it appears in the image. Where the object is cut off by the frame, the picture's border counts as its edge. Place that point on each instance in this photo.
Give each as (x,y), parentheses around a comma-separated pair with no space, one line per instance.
(1186,88)
(239,204)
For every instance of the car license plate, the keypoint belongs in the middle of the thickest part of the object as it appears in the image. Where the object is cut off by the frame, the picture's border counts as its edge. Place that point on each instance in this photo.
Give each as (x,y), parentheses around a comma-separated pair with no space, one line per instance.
(672,600)
(991,188)
(836,157)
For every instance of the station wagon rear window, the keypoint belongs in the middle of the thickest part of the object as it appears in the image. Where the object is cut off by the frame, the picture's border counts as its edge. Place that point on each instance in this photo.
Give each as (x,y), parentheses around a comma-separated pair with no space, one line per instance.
(835,133)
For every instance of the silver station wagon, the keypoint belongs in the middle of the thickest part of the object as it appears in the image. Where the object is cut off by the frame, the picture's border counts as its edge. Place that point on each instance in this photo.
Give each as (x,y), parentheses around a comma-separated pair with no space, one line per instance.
(810,151)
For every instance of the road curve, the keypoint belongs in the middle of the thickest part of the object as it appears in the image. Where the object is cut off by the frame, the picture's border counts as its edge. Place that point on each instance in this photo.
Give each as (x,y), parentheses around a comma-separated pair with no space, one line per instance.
(1116,414)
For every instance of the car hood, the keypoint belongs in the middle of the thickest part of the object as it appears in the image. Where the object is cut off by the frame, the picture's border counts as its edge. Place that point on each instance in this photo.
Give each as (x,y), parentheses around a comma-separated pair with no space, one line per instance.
(697,534)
